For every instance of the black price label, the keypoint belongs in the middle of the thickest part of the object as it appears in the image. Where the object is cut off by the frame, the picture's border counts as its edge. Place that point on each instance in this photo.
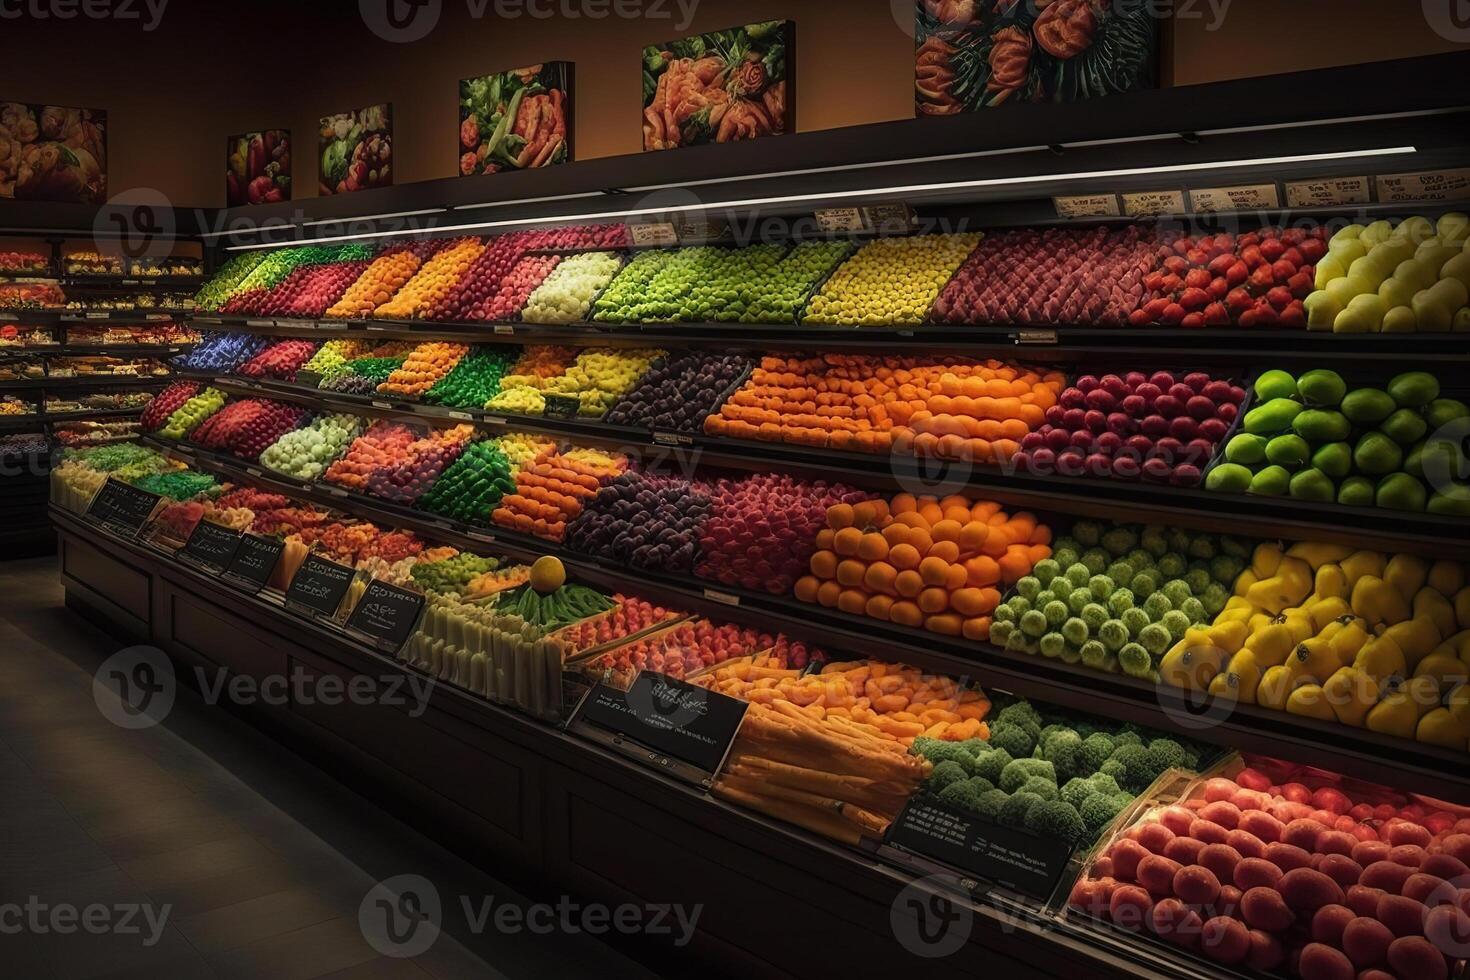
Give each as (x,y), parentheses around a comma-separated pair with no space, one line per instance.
(980,849)
(254,561)
(122,508)
(309,379)
(676,720)
(386,615)
(319,586)
(562,407)
(212,546)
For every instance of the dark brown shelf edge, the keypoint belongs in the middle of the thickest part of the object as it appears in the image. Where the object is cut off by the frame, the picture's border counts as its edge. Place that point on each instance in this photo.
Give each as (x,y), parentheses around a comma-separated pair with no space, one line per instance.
(1401,763)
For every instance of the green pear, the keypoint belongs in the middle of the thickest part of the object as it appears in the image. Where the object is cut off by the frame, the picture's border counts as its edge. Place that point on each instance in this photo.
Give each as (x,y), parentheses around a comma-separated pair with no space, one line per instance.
(1377,232)
(1451,292)
(1397,292)
(1382,259)
(1417,274)
(1348,234)
(1400,248)
(1453,228)
(1364,314)
(1458,267)
(1341,291)
(1364,273)
(1436,254)
(1321,309)
(1400,319)
(1461,322)
(1415,229)
(1349,251)
(1330,268)
(1432,315)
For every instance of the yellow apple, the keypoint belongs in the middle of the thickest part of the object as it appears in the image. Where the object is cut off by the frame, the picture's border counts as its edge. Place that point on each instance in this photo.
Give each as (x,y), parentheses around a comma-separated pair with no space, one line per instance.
(1435,254)
(1458,267)
(1417,274)
(1348,251)
(1462,321)
(1400,319)
(1363,315)
(1377,232)
(1366,274)
(1415,229)
(1321,309)
(1347,234)
(1342,291)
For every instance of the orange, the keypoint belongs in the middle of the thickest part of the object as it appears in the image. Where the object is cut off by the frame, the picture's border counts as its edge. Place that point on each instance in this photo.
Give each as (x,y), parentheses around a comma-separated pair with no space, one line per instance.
(850,573)
(908,584)
(935,571)
(904,556)
(846,541)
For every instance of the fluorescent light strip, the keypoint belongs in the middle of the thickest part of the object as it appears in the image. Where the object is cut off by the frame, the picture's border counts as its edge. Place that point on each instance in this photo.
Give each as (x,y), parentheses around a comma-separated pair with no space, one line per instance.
(877,192)
(374,217)
(526,200)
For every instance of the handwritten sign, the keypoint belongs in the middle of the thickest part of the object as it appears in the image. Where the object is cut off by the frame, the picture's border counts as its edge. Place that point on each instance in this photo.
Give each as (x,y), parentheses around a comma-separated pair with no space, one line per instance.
(979,848)
(675,720)
(211,546)
(319,586)
(654,234)
(254,562)
(1251,197)
(1330,193)
(1431,185)
(122,508)
(1146,204)
(1087,206)
(386,615)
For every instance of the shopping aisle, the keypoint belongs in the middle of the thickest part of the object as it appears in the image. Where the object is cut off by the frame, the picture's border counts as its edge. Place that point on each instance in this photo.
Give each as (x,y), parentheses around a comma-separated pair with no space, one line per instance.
(259,860)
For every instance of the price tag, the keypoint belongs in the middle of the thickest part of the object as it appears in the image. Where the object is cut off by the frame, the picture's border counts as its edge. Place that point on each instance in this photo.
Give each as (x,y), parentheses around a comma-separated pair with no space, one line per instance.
(309,379)
(211,546)
(494,420)
(9,318)
(481,536)
(386,406)
(681,728)
(319,586)
(1146,204)
(978,848)
(657,233)
(1036,337)
(260,323)
(1333,192)
(562,407)
(138,282)
(1432,185)
(386,615)
(505,329)
(462,416)
(157,316)
(1250,197)
(99,315)
(724,598)
(122,508)
(889,219)
(254,562)
(841,221)
(672,439)
(254,472)
(1087,206)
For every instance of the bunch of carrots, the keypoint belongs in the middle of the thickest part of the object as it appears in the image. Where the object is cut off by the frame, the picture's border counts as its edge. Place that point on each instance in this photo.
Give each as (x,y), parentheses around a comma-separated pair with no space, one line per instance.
(923,562)
(551,492)
(945,407)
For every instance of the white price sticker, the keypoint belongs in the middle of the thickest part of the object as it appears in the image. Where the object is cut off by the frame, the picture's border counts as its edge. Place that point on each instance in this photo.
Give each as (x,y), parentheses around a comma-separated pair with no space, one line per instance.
(1433,185)
(841,221)
(1251,197)
(1333,192)
(659,233)
(1087,206)
(1146,204)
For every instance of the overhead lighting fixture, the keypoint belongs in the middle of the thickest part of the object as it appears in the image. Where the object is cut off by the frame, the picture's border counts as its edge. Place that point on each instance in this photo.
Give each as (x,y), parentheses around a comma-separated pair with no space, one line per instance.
(890,191)
(526,200)
(374,217)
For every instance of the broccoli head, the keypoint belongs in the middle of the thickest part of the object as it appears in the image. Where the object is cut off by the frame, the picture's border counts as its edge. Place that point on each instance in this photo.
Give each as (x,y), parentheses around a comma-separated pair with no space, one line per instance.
(1154,540)
(990,802)
(1104,783)
(1023,714)
(944,775)
(1138,771)
(1165,753)
(1179,539)
(1094,615)
(1126,736)
(991,764)
(1101,587)
(1098,810)
(1087,533)
(963,795)
(1095,560)
(974,746)
(1097,748)
(1178,622)
(1172,565)
(1028,586)
(1056,613)
(1014,776)
(1120,540)
(1193,609)
(1134,660)
(1061,588)
(1041,786)
(1076,791)
(1001,632)
(1013,812)
(1120,572)
(1004,613)
(1214,600)
(1057,820)
(1155,639)
(1075,631)
(1198,579)
(1140,560)
(1113,768)
(1094,654)
(937,751)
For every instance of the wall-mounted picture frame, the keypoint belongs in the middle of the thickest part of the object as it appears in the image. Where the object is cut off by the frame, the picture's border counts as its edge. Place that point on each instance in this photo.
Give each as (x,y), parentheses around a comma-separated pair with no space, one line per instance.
(720,87)
(519,119)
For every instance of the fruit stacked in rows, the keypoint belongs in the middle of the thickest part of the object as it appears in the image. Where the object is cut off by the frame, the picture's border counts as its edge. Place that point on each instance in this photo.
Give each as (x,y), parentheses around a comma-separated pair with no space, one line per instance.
(410,475)
(1117,599)
(679,392)
(515,290)
(693,646)
(423,368)
(280,361)
(632,282)
(247,427)
(30,296)
(310,264)
(704,283)
(15,263)
(213,294)
(1358,637)
(1258,279)
(192,413)
(474,380)
(927,406)
(250,295)
(1055,276)
(523,449)
(310,292)
(482,281)
(923,561)
(332,358)
(388,273)
(433,281)
(782,297)
(1314,439)
(762,531)
(1404,278)
(628,617)
(600,376)
(521,390)
(381,445)
(567,294)
(890,282)
(452,575)
(644,521)
(471,489)
(1248,872)
(222,352)
(307,452)
(180,485)
(500,281)
(1150,427)
(552,491)
(165,403)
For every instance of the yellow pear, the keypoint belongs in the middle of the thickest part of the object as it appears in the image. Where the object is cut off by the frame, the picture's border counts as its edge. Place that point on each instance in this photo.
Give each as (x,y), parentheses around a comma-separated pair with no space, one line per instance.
(1347,233)
(1396,292)
(1448,670)
(1431,250)
(1400,319)
(1447,577)
(1369,274)
(1310,701)
(1329,268)
(1381,659)
(1361,563)
(1312,660)
(1265,560)
(1416,637)
(1406,573)
(1378,231)
(1378,602)
(1458,267)
(1318,553)
(1441,727)
(1415,275)
(1394,715)
(1275,688)
(1349,641)
(1324,612)
(1321,309)
(1271,646)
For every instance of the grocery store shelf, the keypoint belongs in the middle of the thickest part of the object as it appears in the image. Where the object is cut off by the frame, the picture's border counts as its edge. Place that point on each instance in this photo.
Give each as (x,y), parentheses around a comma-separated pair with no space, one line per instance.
(1397,762)
(88,414)
(98,316)
(88,381)
(130,281)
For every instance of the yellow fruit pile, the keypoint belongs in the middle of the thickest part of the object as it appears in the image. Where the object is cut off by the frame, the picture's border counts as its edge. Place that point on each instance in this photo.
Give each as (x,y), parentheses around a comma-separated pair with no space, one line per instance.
(1369,640)
(600,376)
(890,281)
(423,368)
(1405,278)
(376,286)
(433,282)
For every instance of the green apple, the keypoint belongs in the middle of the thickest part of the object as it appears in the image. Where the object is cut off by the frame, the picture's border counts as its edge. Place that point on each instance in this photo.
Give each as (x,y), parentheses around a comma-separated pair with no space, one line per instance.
(1341,291)
(1321,309)
(1417,275)
(1328,269)
(1453,228)
(1349,233)
(1415,229)
(1363,315)
(1348,251)
(1377,232)
(1366,274)
(1396,292)
(1458,267)
(1400,319)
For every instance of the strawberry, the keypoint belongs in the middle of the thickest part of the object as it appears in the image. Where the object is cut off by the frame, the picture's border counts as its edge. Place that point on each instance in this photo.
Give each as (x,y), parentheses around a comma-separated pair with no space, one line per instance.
(1294,256)
(1294,316)
(1251,255)
(1192,321)
(1237,273)
(1154,282)
(1272,249)
(1283,270)
(1155,308)
(1197,256)
(1301,284)
(1219,287)
(1197,299)
(1262,279)
(1239,299)
(1197,278)
(1173,283)
(1173,314)
(1216,315)
(1312,250)
(1139,318)
(1279,297)
(1248,239)
(1176,264)
(1266,316)
(1221,263)
(1249,318)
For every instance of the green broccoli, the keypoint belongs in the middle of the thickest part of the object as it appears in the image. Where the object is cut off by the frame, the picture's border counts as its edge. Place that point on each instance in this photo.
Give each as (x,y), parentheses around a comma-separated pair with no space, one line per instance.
(1000,631)
(1134,660)
(1120,540)
(1097,748)
(1214,600)
(1044,788)
(1154,540)
(1013,812)
(1094,616)
(1101,587)
(1165,753)
(1201,546)
(1095,560)
(1140,560)
(962,795)
(1156,605)
(1087,533)
(1011,738)
(1198,579)
(1134,620)
(989,804)
(1127,736)
(945,774)
(990,765)
(1097,811)
(1177,622)
(1020,605)
(1065,556)
(1075,631)
(1177,590)
(1172,565)
(1075,792)
(1014,775)
(1145,583)
(1138,772)
(1061,589)
(1155,639)
(939,752)
(1078,574)
(1052,645)
(1105,783)
(1179,539)
(975,746)
(1225,569)
(1121,573)
(1113,768)
(1113,634)
(1120,602)
(1094,654)
(1045,570)
(1193,609)
(1033,623)
(1023,714)
(1029,586)
(1056,820)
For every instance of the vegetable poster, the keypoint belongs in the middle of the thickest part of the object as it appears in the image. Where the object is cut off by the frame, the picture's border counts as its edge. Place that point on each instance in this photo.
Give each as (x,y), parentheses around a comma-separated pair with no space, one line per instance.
(258,168)
(735,84)
(516,120)
(356,150)
(53,153)
(973,54)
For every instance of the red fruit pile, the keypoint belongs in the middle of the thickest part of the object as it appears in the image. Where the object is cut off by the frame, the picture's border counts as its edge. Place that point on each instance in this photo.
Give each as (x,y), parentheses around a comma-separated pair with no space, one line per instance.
(690,647)
(280,360)
(1055,276)
(250,498)
(246,427)
(1252,873)
(23,263)
(380,446)
(1258,279)
(628,618)
(167,401)
(497,284)
(517,287)
(1133,427)
(762,530)
(288,520)
(311,290)
(409,473)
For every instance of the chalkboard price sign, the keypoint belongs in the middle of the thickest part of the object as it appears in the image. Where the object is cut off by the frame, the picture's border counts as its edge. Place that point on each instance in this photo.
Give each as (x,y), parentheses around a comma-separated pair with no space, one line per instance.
(319,586)
(562,407)
(979,848)
(254,562)
(386,615)
(676,721)
(122,508)
(211,545)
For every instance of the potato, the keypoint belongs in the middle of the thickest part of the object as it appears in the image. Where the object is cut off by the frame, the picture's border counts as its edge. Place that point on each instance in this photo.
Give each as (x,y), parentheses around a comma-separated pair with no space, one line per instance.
(1176,818)
(1367,852)
(1403,916)
(1222,812)
(1221,859)
(1448,928)
(1446,866)
(1130,907)
(1409,855)
(1092,895)
(1196,885)
(1307,890)
(1207,831)
(1264,908)
(1319,962)
(1302,833)
(1225,940)
(1341,869)
(1363,900)
(1266,953)
(1126,854)
(1416,957)
(1386,875)
(1246,844)
(1262,825)
(1228,903)
(1329,923)
(1365,940)
(1103,867)
(1457,845)
(1156,873)
(1331,799)
(1256,873)
(1402,832)
(1335,842)
(1428,890)
(1287,857)
(1154,836)
(1219,789)
(1185,850)
(1175,922)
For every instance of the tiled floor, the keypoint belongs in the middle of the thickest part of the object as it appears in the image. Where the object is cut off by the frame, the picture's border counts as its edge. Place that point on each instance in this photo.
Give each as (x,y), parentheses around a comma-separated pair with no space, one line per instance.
(260,860)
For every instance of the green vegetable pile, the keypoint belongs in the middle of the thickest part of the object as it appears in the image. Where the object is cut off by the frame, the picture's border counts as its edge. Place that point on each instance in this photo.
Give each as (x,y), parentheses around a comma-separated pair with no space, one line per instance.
(568,604)
(1054,774)
(453,575)
(375,368)
(179,485)
(213,294)
(782,297)
(475,379)
(630,286)
(108,459)
(1116,599)
(472,487)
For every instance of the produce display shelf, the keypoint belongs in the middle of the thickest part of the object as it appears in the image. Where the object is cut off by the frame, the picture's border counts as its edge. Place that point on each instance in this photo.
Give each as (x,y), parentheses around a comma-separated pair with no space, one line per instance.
(90,381)
(87,414)
(95,316)
(130,281)
(155,350)
(1266,517)
(1399,762)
